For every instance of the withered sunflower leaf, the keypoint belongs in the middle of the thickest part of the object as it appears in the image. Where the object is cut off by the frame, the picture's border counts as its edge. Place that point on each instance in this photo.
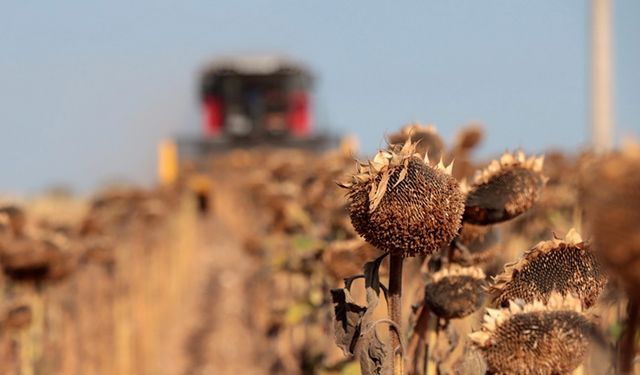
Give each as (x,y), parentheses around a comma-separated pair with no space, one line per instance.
(372,274)
(371,351)
(348,281)
(350,318)
(347,320)
(373,354)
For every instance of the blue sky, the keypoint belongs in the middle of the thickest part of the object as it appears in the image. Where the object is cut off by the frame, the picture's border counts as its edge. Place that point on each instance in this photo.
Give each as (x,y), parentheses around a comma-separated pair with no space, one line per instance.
(88,89)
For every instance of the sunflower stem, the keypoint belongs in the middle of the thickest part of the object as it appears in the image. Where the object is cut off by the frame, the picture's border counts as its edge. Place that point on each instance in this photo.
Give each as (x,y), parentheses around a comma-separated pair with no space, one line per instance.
(432,338)
(395,311)
(626,349)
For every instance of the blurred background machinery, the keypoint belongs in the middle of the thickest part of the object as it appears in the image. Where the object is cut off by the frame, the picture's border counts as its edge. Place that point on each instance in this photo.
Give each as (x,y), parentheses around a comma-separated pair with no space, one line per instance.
(245,101)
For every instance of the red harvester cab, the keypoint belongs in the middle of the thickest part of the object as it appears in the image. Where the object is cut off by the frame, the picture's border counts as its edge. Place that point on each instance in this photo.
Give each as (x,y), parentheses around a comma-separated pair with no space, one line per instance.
(256,97)
(254,101)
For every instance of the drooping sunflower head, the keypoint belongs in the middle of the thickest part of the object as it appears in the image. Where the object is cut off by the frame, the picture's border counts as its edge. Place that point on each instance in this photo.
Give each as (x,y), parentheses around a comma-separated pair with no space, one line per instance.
(534,338)
(401,203)
(566,266)
(455,292)
(480,245)
(505,189)
(468,138)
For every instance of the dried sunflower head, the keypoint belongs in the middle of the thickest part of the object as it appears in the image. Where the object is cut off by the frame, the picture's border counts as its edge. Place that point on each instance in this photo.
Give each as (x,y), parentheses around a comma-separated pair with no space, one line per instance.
(561,265)
(425,136)
(477,239)
(400,203)
(15,217)
(505,189)
(15,315)
(478,245)
(610,194)
(455,292)
(468,138)
(534,338)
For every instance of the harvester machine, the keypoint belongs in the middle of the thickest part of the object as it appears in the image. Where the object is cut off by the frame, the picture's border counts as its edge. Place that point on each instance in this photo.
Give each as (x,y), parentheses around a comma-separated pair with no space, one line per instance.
(245,102)
(254,101)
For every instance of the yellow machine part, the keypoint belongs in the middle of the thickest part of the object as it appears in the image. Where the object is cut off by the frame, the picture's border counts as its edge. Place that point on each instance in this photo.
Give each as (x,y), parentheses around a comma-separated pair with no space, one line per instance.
(167,162)
(200,183)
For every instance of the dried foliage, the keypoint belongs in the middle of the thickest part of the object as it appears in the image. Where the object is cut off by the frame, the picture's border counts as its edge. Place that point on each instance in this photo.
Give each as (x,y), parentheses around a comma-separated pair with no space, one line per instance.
(355,329)
(293,259)
(71,289)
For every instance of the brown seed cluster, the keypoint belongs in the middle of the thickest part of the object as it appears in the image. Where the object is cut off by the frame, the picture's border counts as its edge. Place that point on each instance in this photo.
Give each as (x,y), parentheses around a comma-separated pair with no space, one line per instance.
(455,292)
(610,193)
(534,338)
(564,266)
(506,189)
(401,204)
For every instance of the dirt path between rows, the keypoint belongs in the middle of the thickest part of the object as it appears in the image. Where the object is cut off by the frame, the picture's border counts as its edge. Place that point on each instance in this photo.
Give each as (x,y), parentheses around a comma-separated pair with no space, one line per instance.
(221,341)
